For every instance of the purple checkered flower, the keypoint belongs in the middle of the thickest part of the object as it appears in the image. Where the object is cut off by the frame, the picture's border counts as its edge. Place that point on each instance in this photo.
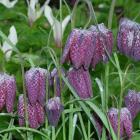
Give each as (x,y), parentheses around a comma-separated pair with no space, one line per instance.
(102,42)
(36,114)
(132,102)
(7,91)
(54,109)
(125,121)
(79,48)
(36,85)
(81,82)
(128,38)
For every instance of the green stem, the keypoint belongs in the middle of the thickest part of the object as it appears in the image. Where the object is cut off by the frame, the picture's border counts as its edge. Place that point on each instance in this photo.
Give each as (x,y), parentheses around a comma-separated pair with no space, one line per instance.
(53,133)
(110,17)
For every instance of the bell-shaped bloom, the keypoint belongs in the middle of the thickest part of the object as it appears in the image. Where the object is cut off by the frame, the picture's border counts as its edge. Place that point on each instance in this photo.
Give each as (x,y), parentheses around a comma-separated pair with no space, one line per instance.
(132,102)
(55,81)
(57,26)
(36,85)
(6,47)
(8,3)
(54,109)
(103,43)
(125,121)
(36,114)
(34,11)
(81,82)
(128,39)
(79,48)
(7,91)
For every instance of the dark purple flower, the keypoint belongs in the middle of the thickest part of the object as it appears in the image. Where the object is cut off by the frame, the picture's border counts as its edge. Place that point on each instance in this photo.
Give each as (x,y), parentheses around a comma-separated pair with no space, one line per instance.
(7,91)
(55,81)
(79,48)
(81,82)
(132,102)
(125,121)
(54,109)
(103,43)
(36,85)
(128,38)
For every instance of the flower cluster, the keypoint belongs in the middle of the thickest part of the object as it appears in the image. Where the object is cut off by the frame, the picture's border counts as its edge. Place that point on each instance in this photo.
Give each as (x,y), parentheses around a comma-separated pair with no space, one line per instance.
(85,48)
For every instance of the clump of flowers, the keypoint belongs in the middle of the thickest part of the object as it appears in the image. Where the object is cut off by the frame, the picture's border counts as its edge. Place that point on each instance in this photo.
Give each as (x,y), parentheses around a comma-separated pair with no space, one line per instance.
(7,91)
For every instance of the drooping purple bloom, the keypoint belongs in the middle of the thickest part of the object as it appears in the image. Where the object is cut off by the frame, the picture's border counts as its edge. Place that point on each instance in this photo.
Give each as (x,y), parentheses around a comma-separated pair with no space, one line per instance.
(103,43)
(81,82)
(7,91)
(125,121)
(128,39)
(55,81)
(132,102)
(54,109)
(36,85)
(36,114)
(79,48)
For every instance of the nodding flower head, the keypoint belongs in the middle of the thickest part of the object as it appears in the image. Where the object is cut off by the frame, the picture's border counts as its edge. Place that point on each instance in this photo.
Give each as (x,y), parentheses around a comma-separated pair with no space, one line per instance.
(36,114)
(56,81)
(128,39)
(102,42)
(79,48)
(125,121)
(81,82)
(7,91)
(132,102)
(54,109)
(36,85)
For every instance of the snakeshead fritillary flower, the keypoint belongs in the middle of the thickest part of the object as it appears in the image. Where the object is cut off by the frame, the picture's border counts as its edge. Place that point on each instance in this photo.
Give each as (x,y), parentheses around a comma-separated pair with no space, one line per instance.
(7,91)
(128,39)
(103,43)
(125,121)
(36,85)
(36,114)
(54,109)
(55,81)
(132,102)
(79,48)
(81,82)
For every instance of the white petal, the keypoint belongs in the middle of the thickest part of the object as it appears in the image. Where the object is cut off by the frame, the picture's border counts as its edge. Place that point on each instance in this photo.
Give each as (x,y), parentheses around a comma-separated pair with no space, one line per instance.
(8,4)
(33,4)
(6,48)
(49,15)
(65,23)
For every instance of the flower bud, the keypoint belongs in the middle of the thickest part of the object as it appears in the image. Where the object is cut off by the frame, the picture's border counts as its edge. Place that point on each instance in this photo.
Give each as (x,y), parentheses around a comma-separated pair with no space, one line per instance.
(103,43)
(7,91)
(79,48)
(81,82)
(125,121)
(128,39)
(132,102)
(54,109)
(36,85)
